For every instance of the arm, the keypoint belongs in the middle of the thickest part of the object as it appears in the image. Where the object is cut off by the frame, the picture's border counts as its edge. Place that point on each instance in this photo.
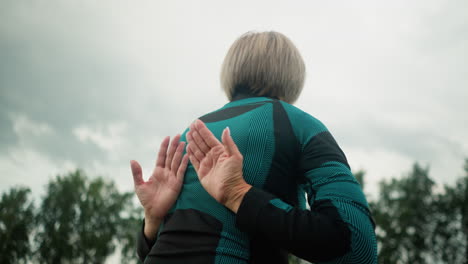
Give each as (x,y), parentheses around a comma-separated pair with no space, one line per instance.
(146,238)
(160,191)
(315,235)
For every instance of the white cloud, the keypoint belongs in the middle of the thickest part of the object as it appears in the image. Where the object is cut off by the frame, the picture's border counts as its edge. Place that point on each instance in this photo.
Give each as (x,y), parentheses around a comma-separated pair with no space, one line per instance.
(23,126)
(378,165)
(30,168)
(108,137)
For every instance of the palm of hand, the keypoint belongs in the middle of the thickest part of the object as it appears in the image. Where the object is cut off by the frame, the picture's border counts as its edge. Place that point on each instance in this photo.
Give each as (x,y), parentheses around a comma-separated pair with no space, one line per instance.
(160,192)
(219,172)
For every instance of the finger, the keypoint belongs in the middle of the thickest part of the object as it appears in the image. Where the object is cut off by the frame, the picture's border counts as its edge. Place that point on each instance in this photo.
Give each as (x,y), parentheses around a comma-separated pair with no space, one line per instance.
(137,173)
(196,149)
(195,152)
(177,156)
(229,143)
(195,162)
(189,136)
(182,167)
(210,140)
(162,152)
(202,146)
(171,151)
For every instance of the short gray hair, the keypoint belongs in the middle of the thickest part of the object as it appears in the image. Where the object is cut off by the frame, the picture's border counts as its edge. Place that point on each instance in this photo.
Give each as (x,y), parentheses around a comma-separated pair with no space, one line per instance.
(263,64)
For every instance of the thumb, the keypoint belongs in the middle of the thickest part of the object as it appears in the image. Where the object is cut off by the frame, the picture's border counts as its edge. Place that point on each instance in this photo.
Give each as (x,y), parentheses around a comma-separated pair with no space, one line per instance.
(229,143)
(137,172)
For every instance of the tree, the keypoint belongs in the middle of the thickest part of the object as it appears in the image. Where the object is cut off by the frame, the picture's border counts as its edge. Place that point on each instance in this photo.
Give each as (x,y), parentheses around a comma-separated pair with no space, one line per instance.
(450,236)
(461,202)
(359,175)
(16,223)
(130,223)
(404,215)
(80,219)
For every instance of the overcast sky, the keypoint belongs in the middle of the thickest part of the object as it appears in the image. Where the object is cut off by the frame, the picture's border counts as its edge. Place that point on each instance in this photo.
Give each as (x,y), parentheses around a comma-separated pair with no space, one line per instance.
(93,84)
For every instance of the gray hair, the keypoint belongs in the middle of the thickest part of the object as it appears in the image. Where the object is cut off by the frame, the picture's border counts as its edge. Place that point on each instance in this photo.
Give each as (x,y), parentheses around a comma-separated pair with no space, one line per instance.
(263,64)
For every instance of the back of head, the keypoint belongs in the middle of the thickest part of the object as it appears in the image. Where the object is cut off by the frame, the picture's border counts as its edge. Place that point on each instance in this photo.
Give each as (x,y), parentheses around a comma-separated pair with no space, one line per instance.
(263,64)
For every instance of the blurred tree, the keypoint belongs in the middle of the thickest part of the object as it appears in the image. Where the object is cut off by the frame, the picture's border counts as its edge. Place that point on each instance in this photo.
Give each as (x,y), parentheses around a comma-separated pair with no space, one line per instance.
(359,175)
(16,223)
(462,203)
(81,219)
(450,235)
(130,223)
(84,221)
(404,215)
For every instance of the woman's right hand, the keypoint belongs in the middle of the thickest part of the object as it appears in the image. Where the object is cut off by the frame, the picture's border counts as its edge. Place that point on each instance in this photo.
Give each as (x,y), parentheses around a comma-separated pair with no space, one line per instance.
(158,194)
(218,165)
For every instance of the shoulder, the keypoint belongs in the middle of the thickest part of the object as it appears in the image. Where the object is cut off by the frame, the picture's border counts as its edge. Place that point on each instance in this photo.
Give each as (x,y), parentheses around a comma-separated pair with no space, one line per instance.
(305,125)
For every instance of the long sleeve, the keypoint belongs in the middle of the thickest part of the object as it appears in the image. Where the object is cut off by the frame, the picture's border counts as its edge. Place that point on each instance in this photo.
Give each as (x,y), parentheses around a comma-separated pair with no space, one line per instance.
(143,244)
(314,235)
(322,233)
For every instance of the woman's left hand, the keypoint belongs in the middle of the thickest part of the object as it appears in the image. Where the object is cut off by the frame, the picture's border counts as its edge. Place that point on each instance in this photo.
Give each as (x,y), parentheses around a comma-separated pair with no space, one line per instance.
(158,194)
(218,165)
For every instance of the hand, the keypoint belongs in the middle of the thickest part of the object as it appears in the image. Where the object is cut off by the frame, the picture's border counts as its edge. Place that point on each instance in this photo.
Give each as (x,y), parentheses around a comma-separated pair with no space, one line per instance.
(160,191)
(218,165)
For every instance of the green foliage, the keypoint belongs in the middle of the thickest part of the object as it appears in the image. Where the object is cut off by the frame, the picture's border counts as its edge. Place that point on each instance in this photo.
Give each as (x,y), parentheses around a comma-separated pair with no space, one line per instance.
(16,223)
(359,175)
(450,235)
(404,216)
(131,221)
(81,219)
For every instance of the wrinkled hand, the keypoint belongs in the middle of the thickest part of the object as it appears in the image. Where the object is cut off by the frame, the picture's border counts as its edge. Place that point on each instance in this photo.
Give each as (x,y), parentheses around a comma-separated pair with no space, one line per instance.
(218,165)
(160,191)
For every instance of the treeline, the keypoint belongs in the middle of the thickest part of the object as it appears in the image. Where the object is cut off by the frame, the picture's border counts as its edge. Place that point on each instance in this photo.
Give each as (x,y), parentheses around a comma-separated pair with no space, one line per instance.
(86,220)
(78,220)
(419,221)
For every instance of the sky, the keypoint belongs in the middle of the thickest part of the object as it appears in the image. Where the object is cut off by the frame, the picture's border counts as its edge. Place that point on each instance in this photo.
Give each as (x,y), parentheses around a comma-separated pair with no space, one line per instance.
(94,84)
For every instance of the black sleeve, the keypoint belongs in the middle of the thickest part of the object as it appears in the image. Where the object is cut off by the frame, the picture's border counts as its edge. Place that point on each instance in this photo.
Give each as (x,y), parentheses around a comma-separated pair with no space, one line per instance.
(143,244)
(315,235)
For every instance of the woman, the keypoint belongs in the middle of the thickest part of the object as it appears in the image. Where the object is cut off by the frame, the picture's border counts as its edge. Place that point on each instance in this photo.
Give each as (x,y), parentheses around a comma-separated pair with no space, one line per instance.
(250,207)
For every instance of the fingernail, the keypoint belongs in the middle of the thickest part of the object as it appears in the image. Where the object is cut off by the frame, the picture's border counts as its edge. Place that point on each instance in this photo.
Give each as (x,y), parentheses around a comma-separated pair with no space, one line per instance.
(228,130)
